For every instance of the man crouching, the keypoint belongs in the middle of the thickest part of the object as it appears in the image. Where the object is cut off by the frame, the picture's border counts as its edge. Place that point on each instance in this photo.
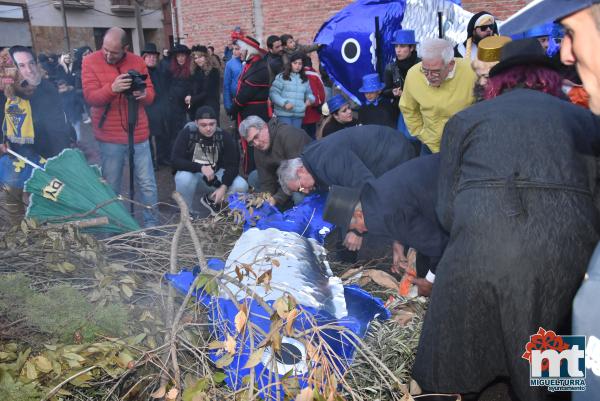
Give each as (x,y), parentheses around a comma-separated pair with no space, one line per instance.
(206,155)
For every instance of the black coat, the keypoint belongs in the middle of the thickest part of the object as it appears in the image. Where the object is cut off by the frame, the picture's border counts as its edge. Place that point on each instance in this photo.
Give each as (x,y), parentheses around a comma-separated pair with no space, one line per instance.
(183,151)
(385,113)
(353,156)
(333,126)
(400,205)
(205,91)
(253,90)
(157,111)
(514,195)
(395,75)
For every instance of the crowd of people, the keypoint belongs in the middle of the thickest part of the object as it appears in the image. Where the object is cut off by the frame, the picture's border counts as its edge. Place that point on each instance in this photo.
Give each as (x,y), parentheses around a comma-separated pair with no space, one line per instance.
(480,156)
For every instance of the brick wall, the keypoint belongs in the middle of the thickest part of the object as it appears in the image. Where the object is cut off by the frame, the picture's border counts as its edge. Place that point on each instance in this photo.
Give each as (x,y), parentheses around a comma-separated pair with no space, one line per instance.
(210,22)
(502,9)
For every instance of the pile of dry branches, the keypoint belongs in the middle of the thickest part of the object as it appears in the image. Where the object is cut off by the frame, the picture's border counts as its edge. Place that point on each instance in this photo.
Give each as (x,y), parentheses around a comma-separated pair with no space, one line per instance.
(164,353)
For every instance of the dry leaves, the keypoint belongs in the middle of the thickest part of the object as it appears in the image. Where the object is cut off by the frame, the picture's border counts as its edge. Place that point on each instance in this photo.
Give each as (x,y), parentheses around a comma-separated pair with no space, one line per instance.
(241,318)
(255,358)
(229,345)
(306,394)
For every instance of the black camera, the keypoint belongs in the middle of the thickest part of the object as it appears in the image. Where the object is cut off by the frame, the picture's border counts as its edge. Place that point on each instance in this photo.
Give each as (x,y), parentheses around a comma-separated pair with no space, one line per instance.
(138,82)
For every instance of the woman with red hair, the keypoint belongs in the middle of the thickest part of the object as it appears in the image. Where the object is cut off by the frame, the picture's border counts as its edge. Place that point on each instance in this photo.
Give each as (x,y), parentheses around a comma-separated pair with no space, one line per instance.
(178,78)
(515,196)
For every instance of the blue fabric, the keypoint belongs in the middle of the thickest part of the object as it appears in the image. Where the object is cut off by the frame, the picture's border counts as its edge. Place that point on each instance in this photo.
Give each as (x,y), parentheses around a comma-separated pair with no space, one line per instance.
(362,308)
(336,103)
(305,219)
(348,34)
(14,172)
(404,129)
(404,37)
(233,69)
(371,83)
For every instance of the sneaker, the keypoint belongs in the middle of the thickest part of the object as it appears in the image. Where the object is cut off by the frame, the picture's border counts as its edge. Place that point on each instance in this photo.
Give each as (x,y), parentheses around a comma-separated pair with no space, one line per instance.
(212,207)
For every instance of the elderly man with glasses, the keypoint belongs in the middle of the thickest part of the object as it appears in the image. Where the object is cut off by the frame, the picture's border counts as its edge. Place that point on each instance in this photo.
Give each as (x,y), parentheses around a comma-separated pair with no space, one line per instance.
(273,142)
(436,88)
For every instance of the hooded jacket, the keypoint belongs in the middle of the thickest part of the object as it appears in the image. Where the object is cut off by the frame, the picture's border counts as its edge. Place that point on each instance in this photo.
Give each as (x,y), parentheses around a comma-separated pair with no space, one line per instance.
(97,78)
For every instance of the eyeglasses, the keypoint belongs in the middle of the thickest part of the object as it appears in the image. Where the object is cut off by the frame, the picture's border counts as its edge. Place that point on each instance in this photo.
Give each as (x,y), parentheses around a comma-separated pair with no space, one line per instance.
(486,27)
(432,73)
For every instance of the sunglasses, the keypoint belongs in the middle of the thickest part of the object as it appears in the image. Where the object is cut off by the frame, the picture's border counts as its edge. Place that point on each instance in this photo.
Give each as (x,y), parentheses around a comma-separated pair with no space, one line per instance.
(486,27)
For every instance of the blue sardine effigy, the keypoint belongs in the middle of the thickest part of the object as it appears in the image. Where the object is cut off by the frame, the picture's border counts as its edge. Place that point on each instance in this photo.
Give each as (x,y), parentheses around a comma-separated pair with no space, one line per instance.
(350,39)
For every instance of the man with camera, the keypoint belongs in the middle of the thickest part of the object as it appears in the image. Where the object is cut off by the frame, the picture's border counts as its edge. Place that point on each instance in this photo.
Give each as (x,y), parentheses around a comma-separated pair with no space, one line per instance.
(112,80)
(205,155)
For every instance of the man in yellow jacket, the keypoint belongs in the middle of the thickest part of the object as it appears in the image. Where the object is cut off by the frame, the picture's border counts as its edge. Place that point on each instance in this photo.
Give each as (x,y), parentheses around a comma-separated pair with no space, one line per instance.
(435,89)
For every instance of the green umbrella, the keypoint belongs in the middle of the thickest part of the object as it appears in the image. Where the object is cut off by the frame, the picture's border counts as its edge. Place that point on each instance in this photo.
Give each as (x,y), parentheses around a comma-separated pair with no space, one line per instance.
(68,189)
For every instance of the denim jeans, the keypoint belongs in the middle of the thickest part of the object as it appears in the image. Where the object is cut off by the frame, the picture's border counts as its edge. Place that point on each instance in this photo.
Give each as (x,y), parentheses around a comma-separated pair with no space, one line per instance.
(186,183)
(113,160)
(293,121)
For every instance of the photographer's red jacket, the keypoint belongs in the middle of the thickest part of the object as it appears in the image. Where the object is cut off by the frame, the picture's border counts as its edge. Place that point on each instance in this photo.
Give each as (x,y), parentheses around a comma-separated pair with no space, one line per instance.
(97,77)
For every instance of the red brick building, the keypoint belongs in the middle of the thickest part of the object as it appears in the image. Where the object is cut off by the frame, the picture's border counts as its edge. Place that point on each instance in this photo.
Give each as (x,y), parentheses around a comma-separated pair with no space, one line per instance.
(210,22)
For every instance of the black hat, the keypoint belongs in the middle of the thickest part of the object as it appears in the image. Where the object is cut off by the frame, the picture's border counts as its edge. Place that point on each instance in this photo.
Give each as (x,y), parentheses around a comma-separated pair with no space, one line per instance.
(340,205)
(150,48)
(199,48)
(179,48)
(205,112)
(522,52)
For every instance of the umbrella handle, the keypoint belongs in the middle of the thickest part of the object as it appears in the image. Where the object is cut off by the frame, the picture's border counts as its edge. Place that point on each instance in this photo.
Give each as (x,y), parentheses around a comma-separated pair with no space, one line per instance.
(23,158)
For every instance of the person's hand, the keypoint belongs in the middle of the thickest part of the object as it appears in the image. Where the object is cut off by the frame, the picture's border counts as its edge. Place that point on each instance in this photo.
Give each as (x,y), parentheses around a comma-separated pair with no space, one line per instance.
(219,195)
(397,92)
(139,95)
(308,103)
(62,88)
(423,286)
(3,147)
(288,106)
(272,201)
(399,261)
(121,83)
(352,241)
(208,172)
(188,99)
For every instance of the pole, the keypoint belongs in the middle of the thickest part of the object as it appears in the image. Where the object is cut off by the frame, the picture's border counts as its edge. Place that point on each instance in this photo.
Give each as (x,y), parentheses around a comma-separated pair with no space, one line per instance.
(132,117)
(64,18)
(138,23)
(440,28)
(380,66)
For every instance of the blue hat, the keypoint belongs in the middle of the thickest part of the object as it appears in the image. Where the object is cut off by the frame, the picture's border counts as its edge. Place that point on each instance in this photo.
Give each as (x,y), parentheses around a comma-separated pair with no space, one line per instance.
(371,83)
(336,103)
(539,31)
(404,37)
(542,11)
